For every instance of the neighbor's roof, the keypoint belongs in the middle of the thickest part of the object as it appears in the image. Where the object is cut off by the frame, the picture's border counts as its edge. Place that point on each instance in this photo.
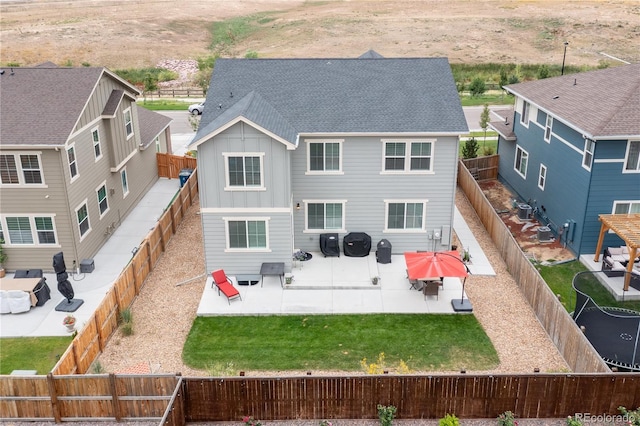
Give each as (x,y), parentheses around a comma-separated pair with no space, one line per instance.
(303,96)
(602,104)
(41,105)
(151,124)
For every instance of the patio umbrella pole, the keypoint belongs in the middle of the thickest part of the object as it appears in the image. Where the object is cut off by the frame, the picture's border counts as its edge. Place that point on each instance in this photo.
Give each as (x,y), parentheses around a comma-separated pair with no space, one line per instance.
(462,305)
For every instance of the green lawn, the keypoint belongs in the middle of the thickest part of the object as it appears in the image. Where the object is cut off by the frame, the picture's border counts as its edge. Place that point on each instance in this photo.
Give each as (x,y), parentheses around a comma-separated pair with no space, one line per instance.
(165,105)
(492,98)
(31,353)
(339,342)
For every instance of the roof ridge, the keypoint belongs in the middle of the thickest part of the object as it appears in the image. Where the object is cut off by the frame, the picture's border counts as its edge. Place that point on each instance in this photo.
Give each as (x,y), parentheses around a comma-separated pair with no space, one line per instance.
(623,101)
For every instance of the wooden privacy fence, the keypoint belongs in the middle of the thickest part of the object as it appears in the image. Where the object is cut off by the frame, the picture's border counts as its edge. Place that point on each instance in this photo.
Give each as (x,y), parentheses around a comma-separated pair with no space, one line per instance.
(90,341)
(187,92)
(483,168)
(169,165)
(570,341)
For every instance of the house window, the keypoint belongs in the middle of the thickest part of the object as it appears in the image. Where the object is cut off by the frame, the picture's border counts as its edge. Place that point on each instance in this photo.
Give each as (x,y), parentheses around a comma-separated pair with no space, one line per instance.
(247,234)
(73,166)
(587,156)
(158,144)
(547,128)
(626,207)
(97,149)
(324,156)
(103,203)
(632,163)
(401,215)
(542,177)
(524,117)
(82,214)
(128,124)
(522,158)
(45,231)
(20,169)
(125,182)
(19,230)
(244,171)
(323,215)
(414,156)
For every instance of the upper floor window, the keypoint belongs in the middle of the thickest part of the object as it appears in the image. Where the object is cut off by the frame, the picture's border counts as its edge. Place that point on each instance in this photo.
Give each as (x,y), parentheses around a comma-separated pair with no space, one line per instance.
(73,165)
(587,156)
(125,182)
(547,128)
(410,156)
(632,163)
(521,161)
(251,233)
(405,215)
(542,176)
(103,202)
(524,117)
(30,230)
(20,169)
(322,215)
(97,149)
(158,144)
(244,171)
(128,123)
(324,156)
(626,207)
(82,214)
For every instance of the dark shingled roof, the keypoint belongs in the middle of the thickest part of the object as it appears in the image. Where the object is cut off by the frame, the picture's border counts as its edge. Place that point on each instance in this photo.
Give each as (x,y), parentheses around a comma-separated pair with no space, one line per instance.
(151,125)
(111,106)
(381,95)
(602,103)
(41,105)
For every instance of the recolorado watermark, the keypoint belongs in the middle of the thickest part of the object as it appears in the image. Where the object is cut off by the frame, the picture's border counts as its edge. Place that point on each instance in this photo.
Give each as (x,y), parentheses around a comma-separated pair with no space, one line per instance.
(585,418)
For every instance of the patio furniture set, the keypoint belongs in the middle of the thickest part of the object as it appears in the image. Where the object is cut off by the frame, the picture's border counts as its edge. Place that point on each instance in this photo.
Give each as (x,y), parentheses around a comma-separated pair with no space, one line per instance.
(224,284)
(27,288)
(615,262)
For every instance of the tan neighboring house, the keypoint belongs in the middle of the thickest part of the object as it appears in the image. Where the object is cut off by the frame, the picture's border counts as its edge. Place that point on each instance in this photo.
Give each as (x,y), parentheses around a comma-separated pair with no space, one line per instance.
(76,156)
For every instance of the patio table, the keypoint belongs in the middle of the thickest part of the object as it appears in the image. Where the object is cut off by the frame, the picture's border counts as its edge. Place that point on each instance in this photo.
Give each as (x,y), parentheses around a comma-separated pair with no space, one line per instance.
(272,268)
(24,284)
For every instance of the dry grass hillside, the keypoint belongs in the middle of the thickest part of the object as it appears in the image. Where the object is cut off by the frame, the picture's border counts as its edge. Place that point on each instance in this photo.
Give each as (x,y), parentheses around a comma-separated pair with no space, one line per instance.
(126,34)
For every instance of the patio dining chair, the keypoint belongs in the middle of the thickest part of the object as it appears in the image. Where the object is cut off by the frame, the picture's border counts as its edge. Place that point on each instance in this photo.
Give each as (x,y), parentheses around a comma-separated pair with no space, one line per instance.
(225,285)
(431,288)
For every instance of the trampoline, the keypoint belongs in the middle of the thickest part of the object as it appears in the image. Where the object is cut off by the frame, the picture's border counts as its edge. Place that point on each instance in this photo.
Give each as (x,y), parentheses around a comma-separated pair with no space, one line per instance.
(613,332)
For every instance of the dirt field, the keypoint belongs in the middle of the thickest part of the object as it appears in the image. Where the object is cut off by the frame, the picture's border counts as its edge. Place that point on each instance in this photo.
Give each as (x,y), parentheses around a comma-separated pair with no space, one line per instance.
(125,34)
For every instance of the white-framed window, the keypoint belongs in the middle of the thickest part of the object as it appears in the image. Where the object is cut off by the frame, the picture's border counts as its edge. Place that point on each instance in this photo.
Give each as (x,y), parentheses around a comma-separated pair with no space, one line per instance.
(587,156)
(324,156)
(29,230)
(321,215)
(632,157)
(95,138)
(125,182)
(626,207)
(547,128)
(103,202)
(21,169)
(244,171)
(405,215)
(247,234)
(82,216)
(542,176)
(73,162)
(157,143)
(521,161)
(402,156)
(524,116)
(128,122)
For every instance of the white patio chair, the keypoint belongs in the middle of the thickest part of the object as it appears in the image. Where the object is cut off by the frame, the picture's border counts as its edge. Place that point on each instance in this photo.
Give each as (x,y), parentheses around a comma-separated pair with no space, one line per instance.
(5,308)
(19,301)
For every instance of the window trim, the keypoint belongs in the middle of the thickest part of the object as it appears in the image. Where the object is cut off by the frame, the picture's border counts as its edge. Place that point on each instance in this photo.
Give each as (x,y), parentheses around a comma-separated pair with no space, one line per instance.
(586,152)
(96,130)
(324,142)
(106,198)
(245,219)
(72,177)
(84,204)
(227,181)
(407,156)
(421,230)
(515,162)
(306,203)
(524,114)
(626,158)
(128,122)
(32,227)
(124,182)
(548,128)
(630,202)
(20,172)
(542,176)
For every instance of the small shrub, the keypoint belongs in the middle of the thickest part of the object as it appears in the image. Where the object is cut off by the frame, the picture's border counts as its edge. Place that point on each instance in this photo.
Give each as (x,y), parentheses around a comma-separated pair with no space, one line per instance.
(487,150)
(507,419)
(167,75)
(375,367)
(543,72)
(126,322)
(250,421)
(386,414)
(573,422)
(470,148)
(633,416)
(325,423)
(449,420)
(97,368)
(477,87)
(251,54)
(86,64)
(513,79)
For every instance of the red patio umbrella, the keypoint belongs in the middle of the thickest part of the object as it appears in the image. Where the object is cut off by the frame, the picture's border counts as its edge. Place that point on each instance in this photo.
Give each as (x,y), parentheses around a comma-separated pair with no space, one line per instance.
(427,265)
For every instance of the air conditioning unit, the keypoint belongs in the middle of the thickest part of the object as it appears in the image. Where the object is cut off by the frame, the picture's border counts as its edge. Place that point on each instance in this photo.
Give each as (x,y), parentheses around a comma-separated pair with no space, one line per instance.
(544,233)
(524,211)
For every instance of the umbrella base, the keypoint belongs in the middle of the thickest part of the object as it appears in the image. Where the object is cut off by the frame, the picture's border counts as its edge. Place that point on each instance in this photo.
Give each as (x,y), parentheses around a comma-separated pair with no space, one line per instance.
(69,305)
(461,305)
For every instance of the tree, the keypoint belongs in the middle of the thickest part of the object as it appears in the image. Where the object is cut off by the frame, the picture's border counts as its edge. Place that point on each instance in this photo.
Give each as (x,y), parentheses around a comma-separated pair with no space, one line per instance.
(504,80)
(150,84)
(543,72)
(484,123)
(470,148)
(477,87)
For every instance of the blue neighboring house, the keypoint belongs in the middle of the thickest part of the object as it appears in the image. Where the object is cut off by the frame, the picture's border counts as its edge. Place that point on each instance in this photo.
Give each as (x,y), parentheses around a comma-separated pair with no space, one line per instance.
(290,149)
(571,150)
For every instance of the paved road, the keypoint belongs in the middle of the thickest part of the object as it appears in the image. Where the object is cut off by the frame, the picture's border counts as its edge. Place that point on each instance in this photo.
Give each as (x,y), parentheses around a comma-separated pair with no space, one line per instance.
(472,114)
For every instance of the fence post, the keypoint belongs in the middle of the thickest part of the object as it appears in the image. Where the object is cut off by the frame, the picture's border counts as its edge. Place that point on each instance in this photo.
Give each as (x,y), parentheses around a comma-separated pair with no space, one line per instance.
(114,397)
(55,409)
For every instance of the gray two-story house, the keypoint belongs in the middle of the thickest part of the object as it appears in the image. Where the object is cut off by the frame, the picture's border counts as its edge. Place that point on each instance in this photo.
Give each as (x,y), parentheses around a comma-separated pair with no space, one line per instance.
(76,155)
(290,149)
(571,150)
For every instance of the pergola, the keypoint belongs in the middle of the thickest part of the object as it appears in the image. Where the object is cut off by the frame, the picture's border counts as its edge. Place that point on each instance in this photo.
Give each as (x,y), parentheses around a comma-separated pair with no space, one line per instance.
(627,227)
